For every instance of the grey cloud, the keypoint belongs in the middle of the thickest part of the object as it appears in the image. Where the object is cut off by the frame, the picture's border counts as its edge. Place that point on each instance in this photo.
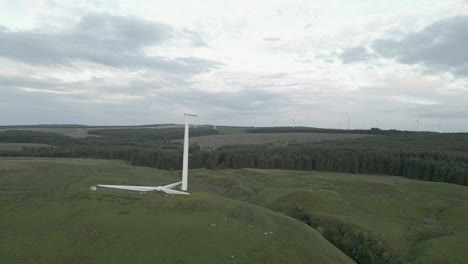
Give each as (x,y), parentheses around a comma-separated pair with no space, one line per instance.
(279,75)
(24,81)
(444,114)
(355,54)
(196,39)
(122,30)
(440,46)
(112,41)
(98,103)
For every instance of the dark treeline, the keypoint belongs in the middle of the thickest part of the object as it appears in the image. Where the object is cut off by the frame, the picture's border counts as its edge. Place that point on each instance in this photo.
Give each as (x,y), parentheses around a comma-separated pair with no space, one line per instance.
(108,137)
(430,166)
(162,158)
(145,136)
(26,136)
(431,157)
(43,126)
(372,131)
(362,246)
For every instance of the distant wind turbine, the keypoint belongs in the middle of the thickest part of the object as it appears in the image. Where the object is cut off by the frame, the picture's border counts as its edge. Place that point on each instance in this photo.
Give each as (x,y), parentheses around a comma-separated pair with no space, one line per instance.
(349,121)
(294,122)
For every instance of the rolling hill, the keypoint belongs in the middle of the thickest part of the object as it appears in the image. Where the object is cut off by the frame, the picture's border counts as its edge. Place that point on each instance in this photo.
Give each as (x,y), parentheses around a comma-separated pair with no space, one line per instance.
(49,215)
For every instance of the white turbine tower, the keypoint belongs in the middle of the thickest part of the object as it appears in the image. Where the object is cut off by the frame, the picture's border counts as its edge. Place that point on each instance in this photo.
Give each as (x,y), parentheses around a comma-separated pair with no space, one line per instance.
(186,148)
(294,122)
(166,188)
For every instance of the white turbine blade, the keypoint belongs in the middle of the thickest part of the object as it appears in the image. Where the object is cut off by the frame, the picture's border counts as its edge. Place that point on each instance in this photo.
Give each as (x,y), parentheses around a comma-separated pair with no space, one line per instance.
(190,114)
(132,188)
(172,185)
(170,191)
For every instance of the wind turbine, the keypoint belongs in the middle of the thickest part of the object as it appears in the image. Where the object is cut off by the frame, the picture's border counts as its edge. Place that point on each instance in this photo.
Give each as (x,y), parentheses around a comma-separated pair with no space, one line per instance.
(294,122)
(166,188)
(186,148)
(349,120)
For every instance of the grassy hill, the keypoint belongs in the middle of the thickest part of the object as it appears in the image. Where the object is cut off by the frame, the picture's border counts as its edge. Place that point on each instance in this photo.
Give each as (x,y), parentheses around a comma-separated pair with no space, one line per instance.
(47,200)
(49,215)
(421,222)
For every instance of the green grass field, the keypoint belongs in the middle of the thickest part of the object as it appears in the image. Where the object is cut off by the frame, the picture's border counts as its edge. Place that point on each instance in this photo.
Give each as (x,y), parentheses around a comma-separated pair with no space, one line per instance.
(49,215)
(417,219)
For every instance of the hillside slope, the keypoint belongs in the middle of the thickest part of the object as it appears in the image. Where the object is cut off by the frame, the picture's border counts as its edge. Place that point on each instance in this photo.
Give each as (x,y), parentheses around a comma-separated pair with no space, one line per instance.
(420,222)
(48,215)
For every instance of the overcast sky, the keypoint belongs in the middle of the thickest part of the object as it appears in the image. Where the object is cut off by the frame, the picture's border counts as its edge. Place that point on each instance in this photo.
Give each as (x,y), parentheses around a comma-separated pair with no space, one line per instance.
(385,63)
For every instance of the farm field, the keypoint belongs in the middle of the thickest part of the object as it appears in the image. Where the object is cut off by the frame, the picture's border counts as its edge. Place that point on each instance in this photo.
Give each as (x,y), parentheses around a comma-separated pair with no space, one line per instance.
(214,141)
(417,221)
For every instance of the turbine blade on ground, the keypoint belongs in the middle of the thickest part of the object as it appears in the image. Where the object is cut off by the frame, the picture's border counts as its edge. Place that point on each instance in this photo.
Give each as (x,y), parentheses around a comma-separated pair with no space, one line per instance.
(132,188)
